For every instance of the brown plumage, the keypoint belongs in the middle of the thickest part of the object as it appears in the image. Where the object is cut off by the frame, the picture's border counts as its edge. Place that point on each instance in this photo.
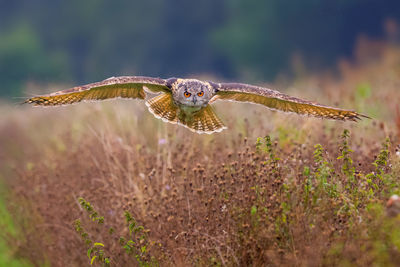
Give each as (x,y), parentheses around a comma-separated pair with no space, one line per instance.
(279,101)
(186,101)
(124,87)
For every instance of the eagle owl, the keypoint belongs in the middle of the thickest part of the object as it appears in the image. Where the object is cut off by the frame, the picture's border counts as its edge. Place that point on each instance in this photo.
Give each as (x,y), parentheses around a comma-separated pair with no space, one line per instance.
(187,101)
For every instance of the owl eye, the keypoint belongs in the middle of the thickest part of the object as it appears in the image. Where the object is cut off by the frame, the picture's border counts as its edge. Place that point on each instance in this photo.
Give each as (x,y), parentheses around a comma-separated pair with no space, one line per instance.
(187,94)
(200,93)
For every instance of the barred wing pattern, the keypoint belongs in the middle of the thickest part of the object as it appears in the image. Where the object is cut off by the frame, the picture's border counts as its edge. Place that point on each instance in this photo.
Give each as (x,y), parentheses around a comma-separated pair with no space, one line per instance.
(124,87)
(279,101)
(203,121)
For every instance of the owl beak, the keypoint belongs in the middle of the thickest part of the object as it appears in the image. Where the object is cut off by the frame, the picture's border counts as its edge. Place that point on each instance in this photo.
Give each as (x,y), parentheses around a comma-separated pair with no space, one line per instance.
(194,100)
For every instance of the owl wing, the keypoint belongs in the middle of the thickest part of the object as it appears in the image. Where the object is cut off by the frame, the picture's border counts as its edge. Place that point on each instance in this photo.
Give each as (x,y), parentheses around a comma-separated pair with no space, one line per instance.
(124,87)
(279,101)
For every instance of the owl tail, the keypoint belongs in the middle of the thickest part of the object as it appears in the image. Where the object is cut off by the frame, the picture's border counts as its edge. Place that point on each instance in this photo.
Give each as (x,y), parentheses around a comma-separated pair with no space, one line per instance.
(202,121)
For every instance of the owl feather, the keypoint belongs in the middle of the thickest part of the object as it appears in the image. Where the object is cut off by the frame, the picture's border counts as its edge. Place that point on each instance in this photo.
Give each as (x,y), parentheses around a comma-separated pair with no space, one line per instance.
(282,102)
(202,121)
(114,87)
(187,101)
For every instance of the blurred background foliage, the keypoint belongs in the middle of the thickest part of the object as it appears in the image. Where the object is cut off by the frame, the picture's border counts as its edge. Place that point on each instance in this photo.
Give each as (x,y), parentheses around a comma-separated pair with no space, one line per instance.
(304,209)
(75,42)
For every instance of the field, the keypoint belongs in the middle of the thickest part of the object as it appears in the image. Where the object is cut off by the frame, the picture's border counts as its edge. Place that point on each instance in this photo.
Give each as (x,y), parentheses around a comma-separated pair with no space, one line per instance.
(108,184)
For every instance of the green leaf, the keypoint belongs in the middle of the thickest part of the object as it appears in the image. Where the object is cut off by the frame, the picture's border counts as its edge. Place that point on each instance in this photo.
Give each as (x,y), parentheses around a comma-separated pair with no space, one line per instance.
(89,252)
(306,171)
(111,230)
(139,228)
(98,244)
(91,262)
(253,210)
(131,226)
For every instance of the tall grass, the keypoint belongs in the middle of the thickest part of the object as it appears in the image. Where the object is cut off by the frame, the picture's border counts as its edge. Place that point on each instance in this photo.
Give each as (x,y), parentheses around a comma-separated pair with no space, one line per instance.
(107,184)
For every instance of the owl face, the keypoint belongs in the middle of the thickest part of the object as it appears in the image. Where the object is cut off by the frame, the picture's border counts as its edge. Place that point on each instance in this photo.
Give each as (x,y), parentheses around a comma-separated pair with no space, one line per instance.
(191,92)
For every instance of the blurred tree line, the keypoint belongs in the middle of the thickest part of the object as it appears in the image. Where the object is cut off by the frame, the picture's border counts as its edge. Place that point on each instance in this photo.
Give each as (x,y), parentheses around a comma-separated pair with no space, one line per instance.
(83,41)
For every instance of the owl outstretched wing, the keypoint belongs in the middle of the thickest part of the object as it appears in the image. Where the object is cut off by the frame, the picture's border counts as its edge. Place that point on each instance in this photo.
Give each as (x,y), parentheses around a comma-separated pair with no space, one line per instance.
(279,101)
(124,87)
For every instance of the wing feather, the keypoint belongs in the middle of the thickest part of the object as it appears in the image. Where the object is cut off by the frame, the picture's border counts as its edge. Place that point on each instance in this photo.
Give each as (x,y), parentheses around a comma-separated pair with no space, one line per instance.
(279,101)
(124,87)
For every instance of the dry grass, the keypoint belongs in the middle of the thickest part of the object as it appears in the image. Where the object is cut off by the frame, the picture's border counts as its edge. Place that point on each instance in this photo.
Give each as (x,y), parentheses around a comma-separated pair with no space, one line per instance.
(227,199)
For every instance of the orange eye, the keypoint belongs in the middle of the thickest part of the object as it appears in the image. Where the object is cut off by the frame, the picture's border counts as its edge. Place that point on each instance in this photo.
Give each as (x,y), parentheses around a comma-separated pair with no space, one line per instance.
(201,93)
(187,94)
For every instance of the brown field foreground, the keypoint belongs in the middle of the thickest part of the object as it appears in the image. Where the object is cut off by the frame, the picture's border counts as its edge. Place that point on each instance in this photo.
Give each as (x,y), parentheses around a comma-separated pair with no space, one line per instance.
(108,184)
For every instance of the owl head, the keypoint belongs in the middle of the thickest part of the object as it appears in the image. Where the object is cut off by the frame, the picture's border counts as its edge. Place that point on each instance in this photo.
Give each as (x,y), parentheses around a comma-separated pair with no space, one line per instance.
(191,92)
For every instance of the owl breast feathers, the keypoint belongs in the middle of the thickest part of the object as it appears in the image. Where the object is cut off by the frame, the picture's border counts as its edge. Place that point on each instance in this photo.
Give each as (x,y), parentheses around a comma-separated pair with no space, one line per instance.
(187,101)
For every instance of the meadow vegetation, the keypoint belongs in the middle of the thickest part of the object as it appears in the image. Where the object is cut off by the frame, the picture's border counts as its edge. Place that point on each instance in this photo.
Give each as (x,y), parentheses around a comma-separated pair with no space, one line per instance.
(109,185)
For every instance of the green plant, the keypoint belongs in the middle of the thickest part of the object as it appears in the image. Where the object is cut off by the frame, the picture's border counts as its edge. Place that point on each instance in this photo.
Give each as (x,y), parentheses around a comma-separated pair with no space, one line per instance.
(377,179)
(95,250)
(324,172)
(347,165)
(138,243)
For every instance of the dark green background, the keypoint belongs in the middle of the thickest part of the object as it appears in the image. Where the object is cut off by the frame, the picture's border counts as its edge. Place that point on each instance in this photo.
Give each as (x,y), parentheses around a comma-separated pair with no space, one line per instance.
(77,41)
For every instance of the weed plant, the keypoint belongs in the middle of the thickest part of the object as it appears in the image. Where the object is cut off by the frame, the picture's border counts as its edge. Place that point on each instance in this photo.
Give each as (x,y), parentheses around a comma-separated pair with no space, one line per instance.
(108,185)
